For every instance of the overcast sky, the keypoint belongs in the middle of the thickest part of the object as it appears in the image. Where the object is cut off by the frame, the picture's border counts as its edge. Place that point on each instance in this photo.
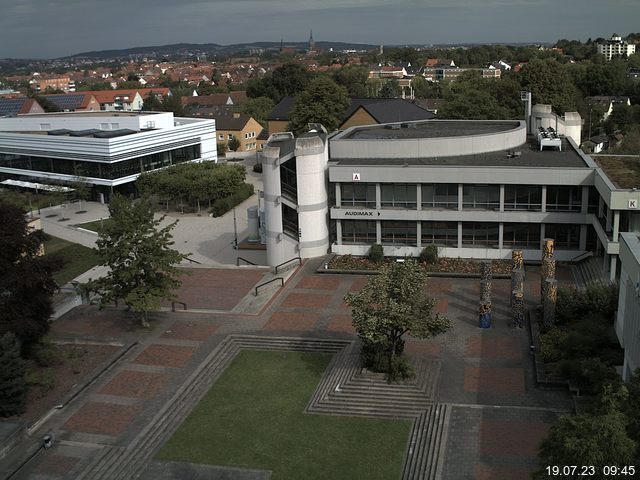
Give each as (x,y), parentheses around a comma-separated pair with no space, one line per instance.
(52,28)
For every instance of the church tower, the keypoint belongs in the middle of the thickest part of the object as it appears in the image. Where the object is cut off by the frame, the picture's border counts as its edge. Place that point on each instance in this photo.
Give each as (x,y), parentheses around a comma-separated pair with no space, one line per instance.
(312,43)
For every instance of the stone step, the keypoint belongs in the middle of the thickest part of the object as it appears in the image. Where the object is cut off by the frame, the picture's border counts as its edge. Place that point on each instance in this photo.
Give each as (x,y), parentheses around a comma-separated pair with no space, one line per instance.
(351,411)
(349,399)
(101,462)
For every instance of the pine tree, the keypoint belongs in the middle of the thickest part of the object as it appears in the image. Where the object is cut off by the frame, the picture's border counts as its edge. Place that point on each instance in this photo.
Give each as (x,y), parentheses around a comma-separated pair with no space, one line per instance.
(142,264)
(13,387)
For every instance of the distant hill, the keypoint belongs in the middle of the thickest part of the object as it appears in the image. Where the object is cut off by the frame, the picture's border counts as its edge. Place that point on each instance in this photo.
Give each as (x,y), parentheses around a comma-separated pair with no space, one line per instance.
(212,48)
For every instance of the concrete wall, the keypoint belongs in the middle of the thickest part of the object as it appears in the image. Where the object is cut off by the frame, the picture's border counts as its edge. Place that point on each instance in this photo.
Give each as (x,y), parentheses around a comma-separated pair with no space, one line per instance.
(85,121)
(570,125)
(627,322)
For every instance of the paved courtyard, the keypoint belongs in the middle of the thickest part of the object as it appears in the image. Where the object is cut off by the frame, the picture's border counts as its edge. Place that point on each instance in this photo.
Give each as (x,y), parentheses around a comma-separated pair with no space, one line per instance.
(497,415)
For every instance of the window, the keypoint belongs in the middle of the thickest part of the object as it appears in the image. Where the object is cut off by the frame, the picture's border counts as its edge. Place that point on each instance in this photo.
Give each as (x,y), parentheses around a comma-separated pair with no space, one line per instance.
(358,195)
(290,221)
(442,234)
(358,232)
(521,235)
(566,236)
(115,126)
(399,195)
(289,179)
(564,198)
(484,235)
(221,137)
(45,126)
(229,136)
(397,232)
(440,195)
(104,126)
(481,197)
(523,197)
(594,200)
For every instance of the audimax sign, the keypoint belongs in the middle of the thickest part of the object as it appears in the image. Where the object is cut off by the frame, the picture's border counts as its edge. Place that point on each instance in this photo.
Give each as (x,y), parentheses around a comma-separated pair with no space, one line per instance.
(361,213)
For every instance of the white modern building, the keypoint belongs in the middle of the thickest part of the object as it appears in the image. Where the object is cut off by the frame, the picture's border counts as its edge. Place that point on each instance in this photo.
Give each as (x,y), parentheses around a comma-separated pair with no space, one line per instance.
(616,47)
(476,189)
(109,150)
(628,317)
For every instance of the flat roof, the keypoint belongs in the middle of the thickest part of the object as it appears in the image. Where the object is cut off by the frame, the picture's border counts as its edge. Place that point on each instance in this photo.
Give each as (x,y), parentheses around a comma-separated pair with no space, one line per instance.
(530,156)
(622,170)
(431,129)
(101,113)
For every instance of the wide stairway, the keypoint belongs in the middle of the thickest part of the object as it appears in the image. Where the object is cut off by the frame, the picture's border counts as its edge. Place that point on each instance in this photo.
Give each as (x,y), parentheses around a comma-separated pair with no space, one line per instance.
(590,271)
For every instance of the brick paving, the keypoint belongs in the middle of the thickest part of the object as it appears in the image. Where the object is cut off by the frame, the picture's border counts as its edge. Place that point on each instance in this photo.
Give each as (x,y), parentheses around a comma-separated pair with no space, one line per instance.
(130,383)
(498,415)
(56,465)
(102,418)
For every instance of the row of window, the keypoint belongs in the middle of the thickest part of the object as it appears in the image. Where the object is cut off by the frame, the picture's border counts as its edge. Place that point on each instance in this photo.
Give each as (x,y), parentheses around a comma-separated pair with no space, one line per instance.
(474,197)
(474,234)
(104,170)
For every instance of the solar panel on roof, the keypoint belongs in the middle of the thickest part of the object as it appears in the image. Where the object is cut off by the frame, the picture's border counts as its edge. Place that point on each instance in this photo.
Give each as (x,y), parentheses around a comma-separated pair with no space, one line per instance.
(11,106)
(69,101)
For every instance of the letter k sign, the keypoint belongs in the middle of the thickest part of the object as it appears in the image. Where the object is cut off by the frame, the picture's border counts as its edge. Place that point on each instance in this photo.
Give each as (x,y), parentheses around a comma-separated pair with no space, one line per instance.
(633,203)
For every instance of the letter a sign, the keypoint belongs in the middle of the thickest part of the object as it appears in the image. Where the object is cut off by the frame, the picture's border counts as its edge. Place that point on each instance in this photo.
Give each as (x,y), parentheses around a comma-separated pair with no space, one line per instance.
(356,177)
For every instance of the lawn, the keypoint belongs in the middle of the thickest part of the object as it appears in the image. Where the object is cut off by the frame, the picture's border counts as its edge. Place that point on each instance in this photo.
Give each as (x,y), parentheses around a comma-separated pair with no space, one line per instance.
(253,417)
(93,226)
(78,258)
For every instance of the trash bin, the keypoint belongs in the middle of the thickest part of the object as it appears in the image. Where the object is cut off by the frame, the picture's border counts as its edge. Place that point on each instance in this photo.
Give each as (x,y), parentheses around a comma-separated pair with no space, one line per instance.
(485,320)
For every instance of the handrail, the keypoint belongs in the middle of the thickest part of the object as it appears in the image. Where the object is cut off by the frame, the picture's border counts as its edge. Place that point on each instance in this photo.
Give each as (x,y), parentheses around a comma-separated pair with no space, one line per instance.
(289,261)
(268,282)
(173,305)
(193,261)
(244,260)
(582,256)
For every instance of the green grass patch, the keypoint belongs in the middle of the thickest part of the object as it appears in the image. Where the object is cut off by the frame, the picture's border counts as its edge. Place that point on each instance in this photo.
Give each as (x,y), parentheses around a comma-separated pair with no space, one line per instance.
(78,258)
(253,418)
(94,226)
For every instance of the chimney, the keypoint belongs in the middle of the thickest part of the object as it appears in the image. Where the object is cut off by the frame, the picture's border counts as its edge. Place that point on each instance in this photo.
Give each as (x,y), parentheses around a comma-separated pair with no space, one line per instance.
(236,114)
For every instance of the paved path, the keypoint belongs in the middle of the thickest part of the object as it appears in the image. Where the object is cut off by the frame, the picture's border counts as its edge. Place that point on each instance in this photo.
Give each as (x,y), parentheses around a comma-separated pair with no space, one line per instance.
(496,415)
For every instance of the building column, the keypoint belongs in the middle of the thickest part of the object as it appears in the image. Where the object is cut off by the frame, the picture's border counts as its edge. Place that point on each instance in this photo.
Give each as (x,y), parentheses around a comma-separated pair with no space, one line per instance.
(460,195)
(612,270)
(419,234)
(378,197)
(339,232)
(542,235)
(544,198)
(419,196)
(338,195)
(501,203)
(459,234)
(584,207)
(378,232)
(500,235)
(616,225)
(583,237)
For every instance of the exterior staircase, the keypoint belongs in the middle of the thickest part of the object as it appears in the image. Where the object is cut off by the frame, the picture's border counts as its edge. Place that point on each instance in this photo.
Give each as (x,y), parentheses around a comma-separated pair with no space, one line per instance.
(590,271)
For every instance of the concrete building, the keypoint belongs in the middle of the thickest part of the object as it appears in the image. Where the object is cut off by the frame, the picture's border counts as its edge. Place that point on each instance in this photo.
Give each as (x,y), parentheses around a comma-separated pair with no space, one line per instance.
(109,150)
(616,47)
(628,317)
(476,189)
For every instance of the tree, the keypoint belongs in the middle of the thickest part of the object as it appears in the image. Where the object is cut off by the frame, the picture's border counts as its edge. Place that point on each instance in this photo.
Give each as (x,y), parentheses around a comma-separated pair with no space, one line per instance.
(587,439)
(323,101)
(550,83)
(13,387)
(142,264)
(390,89)
(26,282)
(258,108)
(233,144)
(353,78)
(389,306)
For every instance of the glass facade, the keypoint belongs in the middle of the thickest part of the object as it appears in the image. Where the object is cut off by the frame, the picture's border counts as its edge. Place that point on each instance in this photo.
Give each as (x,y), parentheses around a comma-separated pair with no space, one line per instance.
(481,197)
(289,180)
(477,234)
(523,197)
(290,221)
(399,232)
(399,195)
(358,232)
(440,195)
(562,198)
(358,195)
(521,235)
(443,234)
(106,170)
(566,236)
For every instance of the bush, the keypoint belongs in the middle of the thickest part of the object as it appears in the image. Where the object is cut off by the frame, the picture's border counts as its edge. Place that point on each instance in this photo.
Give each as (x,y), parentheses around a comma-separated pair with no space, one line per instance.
(588,337)
(375,357)
(589,374)
(376,253)
(429,255)
(13,387)
(44,354)
(550,344)
(42,381)
(574,304)
(221,148)
(223,205)
(257,168)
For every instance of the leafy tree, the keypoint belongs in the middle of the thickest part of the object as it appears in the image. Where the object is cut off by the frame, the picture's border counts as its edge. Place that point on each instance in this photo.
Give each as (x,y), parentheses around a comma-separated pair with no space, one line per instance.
(353,78)
(389,306)
(587,439)
(288,79)
(47,105)
(550,83)
(26,282)
(258,108)
(142,264)
(233,144)
(323,101)
(13,387)
(390,89)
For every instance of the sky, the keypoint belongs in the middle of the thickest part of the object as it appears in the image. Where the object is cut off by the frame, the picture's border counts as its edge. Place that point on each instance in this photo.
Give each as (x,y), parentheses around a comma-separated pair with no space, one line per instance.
(54,28)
